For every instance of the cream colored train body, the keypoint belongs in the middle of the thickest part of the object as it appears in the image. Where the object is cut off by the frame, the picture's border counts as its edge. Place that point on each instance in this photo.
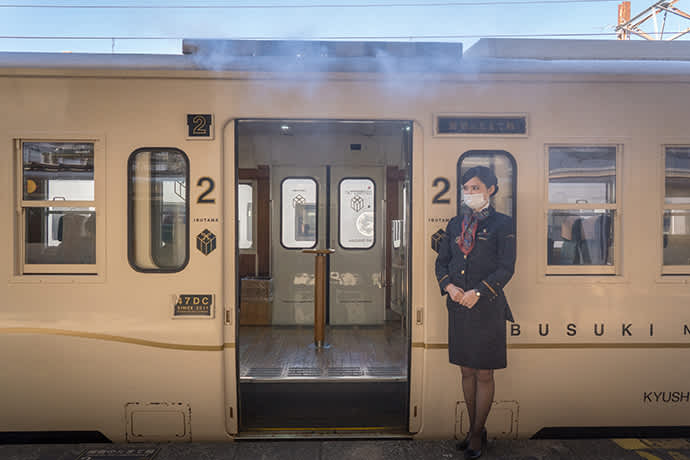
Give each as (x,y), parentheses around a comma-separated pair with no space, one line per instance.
(103,351)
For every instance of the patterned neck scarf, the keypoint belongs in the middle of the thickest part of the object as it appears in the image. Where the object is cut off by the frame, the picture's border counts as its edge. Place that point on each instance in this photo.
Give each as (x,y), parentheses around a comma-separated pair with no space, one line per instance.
(470,222)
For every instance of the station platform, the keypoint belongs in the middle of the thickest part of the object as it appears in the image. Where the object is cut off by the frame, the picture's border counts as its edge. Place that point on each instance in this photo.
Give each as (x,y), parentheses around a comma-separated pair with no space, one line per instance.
(584,449)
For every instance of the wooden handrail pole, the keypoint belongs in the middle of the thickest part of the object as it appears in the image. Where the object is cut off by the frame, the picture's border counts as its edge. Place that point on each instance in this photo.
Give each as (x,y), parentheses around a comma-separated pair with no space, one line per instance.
(320,300)
(319,295)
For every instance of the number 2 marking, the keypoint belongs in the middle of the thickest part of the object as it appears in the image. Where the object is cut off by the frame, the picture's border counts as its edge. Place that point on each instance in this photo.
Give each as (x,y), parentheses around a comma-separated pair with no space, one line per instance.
(438,198)
(211,186)
(199,128)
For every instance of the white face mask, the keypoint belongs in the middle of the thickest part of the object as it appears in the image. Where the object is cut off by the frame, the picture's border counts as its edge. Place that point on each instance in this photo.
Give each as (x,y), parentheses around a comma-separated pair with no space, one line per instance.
(474,200)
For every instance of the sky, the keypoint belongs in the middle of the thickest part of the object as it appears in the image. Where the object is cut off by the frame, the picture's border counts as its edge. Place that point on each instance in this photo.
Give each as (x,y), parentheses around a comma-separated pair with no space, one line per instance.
(157,27)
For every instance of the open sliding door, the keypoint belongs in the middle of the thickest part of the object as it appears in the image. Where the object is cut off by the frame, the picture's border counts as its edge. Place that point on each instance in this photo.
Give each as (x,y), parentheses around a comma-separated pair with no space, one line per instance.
(333,185)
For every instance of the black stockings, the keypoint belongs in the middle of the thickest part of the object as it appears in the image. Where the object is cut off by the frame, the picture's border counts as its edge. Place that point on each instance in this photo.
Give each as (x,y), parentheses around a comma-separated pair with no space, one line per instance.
(478,387)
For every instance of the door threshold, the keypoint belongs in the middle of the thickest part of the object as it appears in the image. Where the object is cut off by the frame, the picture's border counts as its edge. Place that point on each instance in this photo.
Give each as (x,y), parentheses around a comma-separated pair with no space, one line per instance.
(363,379)
(324,433)
(324,406)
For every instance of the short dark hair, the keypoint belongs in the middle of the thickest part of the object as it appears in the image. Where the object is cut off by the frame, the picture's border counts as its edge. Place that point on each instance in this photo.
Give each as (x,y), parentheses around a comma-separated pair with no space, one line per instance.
(484,174)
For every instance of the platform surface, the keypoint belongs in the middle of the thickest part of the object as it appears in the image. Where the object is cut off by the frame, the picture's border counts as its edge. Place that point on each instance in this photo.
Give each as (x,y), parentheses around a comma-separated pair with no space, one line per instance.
(593,449)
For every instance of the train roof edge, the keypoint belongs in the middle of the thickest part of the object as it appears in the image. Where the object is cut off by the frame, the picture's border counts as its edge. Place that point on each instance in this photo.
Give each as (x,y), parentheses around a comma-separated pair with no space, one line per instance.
(323,49)
(585,50)
(325,56)
(487,56)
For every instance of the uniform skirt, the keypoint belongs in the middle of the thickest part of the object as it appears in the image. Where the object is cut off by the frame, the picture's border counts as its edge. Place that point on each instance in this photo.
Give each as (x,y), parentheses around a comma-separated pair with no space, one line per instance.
(477,336)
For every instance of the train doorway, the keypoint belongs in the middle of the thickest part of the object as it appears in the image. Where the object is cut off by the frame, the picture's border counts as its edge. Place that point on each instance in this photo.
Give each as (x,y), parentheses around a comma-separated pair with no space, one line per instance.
(316,184)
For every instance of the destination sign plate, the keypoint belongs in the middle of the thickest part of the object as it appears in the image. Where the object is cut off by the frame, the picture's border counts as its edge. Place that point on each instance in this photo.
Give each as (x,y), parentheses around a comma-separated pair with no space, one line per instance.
(481,125)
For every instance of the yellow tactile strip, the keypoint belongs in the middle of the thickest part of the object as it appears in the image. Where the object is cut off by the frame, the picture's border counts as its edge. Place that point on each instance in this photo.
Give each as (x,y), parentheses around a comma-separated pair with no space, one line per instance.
(657,449)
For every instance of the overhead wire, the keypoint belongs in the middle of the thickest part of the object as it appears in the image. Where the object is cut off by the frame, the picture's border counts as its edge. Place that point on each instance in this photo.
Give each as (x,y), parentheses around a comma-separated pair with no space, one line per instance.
(304,6)
(314,5)
(302,38)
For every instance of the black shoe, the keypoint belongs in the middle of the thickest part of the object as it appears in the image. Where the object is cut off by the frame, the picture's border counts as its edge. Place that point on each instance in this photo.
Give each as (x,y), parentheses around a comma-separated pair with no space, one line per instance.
(462,445)
(471,454)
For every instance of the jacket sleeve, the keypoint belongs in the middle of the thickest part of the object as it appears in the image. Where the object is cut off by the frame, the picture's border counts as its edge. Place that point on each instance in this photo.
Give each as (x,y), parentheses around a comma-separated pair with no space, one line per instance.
(442,261)
(505,267)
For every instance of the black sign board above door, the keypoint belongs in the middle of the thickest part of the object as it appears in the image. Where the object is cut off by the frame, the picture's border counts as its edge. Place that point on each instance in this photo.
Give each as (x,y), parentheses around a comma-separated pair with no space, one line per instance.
(492,125)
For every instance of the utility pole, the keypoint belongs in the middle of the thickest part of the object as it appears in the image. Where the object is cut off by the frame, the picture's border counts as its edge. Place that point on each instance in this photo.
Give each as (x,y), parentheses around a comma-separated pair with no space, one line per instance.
(627,26)
(623,18)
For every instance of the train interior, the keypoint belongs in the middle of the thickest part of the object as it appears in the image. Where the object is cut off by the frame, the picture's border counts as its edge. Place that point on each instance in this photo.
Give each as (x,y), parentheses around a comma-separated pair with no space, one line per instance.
(307,185)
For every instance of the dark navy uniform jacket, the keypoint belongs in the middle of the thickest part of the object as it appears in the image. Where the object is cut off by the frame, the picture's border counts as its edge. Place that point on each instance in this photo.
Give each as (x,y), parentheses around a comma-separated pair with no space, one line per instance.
(487,268)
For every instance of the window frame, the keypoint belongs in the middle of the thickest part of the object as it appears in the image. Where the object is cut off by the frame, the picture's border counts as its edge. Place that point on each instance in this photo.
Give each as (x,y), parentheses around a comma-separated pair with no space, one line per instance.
(23,270)
(616,207)
(669,270)
(130,211)
(340,241)
(316,230)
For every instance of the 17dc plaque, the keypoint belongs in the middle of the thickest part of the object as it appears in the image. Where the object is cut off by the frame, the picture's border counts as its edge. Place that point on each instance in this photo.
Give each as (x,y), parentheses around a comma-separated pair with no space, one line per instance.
(194,305)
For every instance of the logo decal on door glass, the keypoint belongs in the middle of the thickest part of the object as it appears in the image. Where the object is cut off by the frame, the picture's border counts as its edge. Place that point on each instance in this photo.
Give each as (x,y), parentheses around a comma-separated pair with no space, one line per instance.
(298,200)
(365,223)
(357,203)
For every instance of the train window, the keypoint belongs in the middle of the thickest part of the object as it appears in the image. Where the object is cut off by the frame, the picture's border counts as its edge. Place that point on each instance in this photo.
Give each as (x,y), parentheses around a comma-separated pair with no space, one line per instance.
(158,209)
(580,237)
(58,207)
(582,209)
(357,213)
(582,175)
(298,212)
(676,220)
(58,171)
(245,221)
(503,165)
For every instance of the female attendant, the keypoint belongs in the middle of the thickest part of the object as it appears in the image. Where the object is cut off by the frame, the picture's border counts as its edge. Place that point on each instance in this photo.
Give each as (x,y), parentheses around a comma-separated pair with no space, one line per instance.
(474,263)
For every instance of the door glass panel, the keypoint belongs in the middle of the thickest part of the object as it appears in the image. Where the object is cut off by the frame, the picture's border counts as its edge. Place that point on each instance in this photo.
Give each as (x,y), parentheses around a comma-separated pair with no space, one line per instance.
(299,213)
(158,208)
(357,213)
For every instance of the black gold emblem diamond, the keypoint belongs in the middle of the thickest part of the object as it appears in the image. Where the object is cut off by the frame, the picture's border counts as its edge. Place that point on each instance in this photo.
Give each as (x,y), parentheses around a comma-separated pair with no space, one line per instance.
(357,203)
(206,242)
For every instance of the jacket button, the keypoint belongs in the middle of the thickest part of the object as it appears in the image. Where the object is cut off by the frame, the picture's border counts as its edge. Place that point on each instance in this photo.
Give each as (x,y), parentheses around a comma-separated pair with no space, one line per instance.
(462,272)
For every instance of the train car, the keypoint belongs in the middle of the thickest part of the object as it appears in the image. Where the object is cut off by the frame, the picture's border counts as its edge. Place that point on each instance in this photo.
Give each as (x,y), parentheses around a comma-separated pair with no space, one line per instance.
(178,228)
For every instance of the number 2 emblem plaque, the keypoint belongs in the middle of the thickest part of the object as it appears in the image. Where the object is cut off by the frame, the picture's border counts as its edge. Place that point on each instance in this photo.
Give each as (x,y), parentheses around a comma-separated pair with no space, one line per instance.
(200,126)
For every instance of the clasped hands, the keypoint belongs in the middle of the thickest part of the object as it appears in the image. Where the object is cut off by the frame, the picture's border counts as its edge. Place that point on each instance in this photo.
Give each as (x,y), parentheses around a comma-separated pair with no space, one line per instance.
(466,298)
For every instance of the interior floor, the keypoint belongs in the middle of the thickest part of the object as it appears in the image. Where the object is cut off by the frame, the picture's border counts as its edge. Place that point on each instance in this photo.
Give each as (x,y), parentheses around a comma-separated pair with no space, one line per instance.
(357,352)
